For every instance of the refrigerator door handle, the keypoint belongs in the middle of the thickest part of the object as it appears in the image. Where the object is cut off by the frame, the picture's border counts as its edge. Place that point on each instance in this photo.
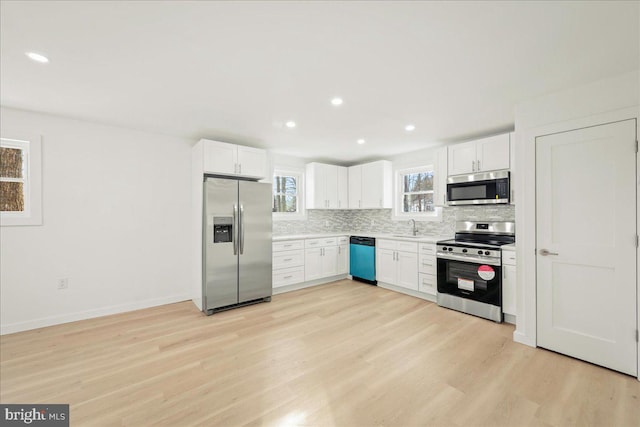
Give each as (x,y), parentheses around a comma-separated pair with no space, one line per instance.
(235,225)
(241,229)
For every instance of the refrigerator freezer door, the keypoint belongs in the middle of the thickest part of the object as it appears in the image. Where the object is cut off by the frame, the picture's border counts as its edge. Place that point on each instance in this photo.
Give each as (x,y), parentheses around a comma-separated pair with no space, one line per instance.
(255,260)
(220,265)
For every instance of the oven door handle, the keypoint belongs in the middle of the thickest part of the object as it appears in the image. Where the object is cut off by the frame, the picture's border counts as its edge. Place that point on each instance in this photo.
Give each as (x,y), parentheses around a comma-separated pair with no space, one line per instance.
(469,259)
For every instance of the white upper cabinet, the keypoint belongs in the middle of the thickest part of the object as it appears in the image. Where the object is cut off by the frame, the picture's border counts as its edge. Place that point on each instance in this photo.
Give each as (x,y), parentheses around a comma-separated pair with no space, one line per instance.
(462,158)
(370,185)
(492,153)
(482,155)
(252,162)
(233,160)
(343,187)
(355,187)
(440,172)
(326,186)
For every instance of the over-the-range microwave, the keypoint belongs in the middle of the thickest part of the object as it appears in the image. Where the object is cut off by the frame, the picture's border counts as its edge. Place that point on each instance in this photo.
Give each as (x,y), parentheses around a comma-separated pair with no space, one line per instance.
(479,188)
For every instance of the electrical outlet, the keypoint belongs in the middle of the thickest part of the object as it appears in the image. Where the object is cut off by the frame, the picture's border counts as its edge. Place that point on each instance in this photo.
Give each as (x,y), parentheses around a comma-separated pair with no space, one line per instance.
(63,283)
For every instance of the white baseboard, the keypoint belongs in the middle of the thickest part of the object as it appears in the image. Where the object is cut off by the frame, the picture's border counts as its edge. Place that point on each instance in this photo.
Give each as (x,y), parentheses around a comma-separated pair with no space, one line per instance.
(521,338)
(297,286)
(421,295)
(510,318)
(42,322)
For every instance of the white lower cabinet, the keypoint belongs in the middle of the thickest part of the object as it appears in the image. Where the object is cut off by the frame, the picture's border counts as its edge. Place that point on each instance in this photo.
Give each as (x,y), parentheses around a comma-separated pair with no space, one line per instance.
(343,259)
(397,263)
(320,258)
(288,263)
(428,271)
(509,281)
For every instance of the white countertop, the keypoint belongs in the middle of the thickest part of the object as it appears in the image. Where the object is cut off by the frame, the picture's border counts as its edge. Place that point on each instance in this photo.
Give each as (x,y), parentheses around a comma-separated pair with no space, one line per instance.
(419,239)
(508,247)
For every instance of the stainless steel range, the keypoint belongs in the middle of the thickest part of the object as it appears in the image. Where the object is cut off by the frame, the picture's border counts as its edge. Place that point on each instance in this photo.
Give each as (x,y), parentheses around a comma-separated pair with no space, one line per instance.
(470,268)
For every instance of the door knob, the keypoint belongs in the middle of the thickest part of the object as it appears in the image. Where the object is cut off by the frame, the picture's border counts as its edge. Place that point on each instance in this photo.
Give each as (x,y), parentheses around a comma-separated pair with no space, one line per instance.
(545,252)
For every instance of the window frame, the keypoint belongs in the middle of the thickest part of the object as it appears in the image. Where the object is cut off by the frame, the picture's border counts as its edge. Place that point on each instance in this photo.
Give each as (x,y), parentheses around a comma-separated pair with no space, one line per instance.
(32,184)
(398,195)
(298,174)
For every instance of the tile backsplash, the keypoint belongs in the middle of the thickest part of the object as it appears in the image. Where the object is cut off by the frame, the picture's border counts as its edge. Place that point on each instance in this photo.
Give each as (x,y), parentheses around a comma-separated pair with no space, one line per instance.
(379,221)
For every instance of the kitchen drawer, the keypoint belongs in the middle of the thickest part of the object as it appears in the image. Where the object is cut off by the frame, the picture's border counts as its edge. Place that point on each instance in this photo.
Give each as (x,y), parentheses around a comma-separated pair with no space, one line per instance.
(509,257)
(288,276)
(427,283)
(321,242)
(287,259)
(397,245)
(288,245)
(427,249)
(427,264)
(386,244)
(343,239)
(407,247)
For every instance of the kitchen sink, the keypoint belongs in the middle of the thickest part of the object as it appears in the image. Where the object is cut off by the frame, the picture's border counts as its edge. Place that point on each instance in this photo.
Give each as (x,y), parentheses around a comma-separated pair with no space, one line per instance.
(405,235)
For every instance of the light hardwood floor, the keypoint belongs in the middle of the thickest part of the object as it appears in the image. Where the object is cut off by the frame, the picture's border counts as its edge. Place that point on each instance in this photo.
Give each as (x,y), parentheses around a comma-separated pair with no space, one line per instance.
(344,354)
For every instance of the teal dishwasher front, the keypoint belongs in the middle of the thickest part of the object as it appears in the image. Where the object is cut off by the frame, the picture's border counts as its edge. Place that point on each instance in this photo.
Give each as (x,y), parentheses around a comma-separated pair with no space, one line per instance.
(362,259)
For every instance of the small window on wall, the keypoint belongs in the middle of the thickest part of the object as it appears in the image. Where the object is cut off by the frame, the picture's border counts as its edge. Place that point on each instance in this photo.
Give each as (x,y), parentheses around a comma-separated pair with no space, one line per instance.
(288,195)
(414,194)
(20,183)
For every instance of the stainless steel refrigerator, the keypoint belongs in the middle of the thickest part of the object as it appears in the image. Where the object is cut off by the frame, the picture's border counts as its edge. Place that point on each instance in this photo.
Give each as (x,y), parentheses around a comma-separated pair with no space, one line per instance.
(237,243)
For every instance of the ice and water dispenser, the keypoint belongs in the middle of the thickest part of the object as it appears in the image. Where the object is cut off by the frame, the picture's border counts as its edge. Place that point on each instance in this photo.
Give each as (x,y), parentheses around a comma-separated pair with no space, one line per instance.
(222,229)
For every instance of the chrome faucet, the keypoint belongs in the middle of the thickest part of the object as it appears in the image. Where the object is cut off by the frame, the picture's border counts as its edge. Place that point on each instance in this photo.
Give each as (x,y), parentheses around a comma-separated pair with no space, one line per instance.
(415,229)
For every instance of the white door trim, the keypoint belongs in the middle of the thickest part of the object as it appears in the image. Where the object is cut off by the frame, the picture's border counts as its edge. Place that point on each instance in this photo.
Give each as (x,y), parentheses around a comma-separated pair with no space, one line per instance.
(526,320)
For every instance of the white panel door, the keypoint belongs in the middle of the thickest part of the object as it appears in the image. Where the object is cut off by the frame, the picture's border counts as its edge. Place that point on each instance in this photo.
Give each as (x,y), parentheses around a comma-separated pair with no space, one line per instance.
(372,185)
(461,158)
(252,162)
(329,261)
(407,270)
(586,250)
(220,157)
(312,264)
(386,265)
(492,153)
(343,259)
(343,187)
(355,187)
(331,185)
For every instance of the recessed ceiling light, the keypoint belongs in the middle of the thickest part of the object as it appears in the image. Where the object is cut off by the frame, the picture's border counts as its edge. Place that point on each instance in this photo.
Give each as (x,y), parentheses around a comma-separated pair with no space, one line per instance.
(37,57)
(409,128)
(361,141)
(290,124)
(336,101)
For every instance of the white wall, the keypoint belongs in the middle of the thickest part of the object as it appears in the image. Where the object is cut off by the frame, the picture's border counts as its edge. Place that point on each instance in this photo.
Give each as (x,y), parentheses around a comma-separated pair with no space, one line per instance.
(603,101)
(116,206)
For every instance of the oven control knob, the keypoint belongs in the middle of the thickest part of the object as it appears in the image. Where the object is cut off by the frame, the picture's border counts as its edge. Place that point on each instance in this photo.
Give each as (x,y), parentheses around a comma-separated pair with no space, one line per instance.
(450,249)
(479,252)
(444,248)
(487,252)
(464,251)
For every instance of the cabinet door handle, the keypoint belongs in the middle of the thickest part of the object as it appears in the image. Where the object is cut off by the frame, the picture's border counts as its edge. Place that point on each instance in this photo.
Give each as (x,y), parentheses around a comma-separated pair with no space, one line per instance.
(513,199)
(473,165)
(287,246)
(239,167)
(287,259)
(478,165)
(287,277)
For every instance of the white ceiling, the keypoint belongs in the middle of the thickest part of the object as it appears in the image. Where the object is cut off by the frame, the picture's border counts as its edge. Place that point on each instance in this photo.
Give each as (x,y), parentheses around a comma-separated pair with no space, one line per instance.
(236,71)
